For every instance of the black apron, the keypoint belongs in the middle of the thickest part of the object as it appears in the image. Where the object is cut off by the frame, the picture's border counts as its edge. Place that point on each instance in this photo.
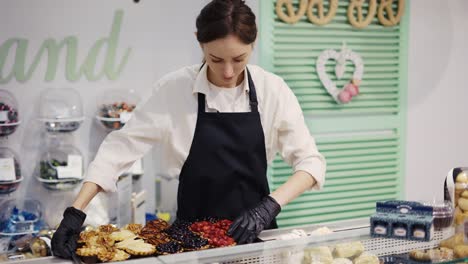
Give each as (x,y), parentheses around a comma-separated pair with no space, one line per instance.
(225,171)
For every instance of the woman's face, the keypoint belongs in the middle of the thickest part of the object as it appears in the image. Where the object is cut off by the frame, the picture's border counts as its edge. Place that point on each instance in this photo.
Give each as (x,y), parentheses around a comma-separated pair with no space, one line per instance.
(226,59)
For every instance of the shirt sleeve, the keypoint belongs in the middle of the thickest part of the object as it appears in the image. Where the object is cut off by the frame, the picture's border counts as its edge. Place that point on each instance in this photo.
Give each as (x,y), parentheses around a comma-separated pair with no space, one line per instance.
(295,143)
(121,148)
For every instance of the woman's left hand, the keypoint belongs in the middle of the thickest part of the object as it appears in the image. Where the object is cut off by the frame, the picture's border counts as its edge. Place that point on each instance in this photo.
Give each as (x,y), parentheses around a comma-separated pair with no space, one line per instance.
(248,226)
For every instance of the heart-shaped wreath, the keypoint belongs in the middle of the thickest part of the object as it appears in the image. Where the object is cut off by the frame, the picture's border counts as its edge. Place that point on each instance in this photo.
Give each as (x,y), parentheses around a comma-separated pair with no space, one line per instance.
(351,88)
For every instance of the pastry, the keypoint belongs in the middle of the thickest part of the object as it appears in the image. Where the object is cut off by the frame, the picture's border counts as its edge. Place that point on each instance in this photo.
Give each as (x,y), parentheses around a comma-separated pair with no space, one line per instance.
(366,258)
(386,6)
(136,247)
(461,186)
(341,261)
(108,228)
(458,215)
(446,254)
(419,255)
(120,255)
(292,17)
(89,251)
(349,250)
(106,256)
(122,235)
(169,248)
(453,241)
(321,18)
(223,224)
(194,243)
(215,235)
(295,233)
(462,177)
(360,21)
(463,204)
(321,231)
(135,228)
(318,255)
(156,238)
(85,236)
(461,251)
(157,225)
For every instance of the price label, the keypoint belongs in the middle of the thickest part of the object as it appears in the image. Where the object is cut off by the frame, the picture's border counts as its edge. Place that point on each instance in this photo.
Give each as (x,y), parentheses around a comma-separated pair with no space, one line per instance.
(3,116)
(73,168)
(125,116)
(7,170)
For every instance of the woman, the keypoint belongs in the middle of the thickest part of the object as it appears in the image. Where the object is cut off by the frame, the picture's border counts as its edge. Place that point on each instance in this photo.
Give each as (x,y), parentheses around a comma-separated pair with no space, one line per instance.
(218,124)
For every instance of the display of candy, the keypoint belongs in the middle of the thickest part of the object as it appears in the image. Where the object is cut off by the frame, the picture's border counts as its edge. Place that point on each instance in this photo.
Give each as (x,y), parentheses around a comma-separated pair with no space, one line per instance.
(215,233)
(10,117)
(21,222)
(48,171)
(110,114)
(62,127)
(7,187)
(60,110)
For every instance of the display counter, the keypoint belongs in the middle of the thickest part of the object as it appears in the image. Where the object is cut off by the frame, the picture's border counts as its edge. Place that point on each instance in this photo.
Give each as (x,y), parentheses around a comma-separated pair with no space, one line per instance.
(295,250)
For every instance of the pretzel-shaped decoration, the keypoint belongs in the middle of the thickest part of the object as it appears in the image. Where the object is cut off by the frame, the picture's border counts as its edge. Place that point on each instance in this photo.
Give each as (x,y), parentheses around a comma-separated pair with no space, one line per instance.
(292,17)
(321,19)
(360,21)
(386,6)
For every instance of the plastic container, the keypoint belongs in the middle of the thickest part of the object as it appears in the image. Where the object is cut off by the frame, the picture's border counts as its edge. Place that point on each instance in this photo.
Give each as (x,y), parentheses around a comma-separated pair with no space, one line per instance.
(456,192)
(20,218)
(10,171)
(443,213)
(9,117)
(60,167)
(61,110)
(115,108)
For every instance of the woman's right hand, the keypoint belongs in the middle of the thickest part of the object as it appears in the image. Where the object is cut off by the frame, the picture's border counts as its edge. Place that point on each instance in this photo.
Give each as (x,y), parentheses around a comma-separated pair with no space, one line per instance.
(64,240)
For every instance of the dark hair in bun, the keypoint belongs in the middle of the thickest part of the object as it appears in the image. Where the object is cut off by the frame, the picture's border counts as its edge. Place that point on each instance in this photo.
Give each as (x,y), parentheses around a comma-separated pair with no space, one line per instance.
(220,18)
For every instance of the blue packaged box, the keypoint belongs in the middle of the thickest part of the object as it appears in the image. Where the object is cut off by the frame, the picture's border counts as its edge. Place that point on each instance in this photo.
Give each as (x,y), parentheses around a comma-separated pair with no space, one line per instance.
(403,220)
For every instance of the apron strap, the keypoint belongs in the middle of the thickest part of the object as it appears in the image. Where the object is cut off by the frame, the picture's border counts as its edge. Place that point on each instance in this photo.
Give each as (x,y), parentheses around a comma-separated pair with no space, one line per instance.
(252,93)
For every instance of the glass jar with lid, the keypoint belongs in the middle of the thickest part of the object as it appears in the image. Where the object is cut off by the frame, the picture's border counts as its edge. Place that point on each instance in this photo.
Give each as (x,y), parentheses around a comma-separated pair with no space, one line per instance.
(20,217)
(115,108)
(10,171)
(61,109)
(9,117)
(60,166)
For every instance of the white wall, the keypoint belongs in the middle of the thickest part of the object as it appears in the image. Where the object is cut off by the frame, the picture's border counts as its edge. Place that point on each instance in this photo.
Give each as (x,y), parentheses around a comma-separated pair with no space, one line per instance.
(161,37)
(437,137)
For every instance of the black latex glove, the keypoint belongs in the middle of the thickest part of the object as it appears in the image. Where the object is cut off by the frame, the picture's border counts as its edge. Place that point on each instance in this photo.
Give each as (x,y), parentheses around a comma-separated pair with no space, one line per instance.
(64,240)
(246,227)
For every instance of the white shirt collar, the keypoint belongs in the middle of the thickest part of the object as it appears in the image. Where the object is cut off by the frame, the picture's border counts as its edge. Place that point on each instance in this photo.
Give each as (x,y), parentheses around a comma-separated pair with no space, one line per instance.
(201,84)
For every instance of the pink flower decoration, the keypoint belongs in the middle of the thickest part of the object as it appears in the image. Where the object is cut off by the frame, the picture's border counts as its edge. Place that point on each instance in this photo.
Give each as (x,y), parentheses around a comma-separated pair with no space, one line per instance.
(344,96)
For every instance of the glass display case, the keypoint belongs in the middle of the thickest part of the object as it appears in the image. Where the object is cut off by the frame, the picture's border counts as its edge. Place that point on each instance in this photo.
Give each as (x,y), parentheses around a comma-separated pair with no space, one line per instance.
(61,109)
(9,117)
(10,171)
(350,242)
(115,108)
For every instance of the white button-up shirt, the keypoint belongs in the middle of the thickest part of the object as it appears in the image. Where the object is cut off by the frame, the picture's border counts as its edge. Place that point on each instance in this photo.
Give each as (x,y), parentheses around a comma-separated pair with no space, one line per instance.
(169,117)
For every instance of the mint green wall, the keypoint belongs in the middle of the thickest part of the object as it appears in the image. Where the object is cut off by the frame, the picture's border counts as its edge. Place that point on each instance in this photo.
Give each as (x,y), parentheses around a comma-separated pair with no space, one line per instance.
(363,141)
